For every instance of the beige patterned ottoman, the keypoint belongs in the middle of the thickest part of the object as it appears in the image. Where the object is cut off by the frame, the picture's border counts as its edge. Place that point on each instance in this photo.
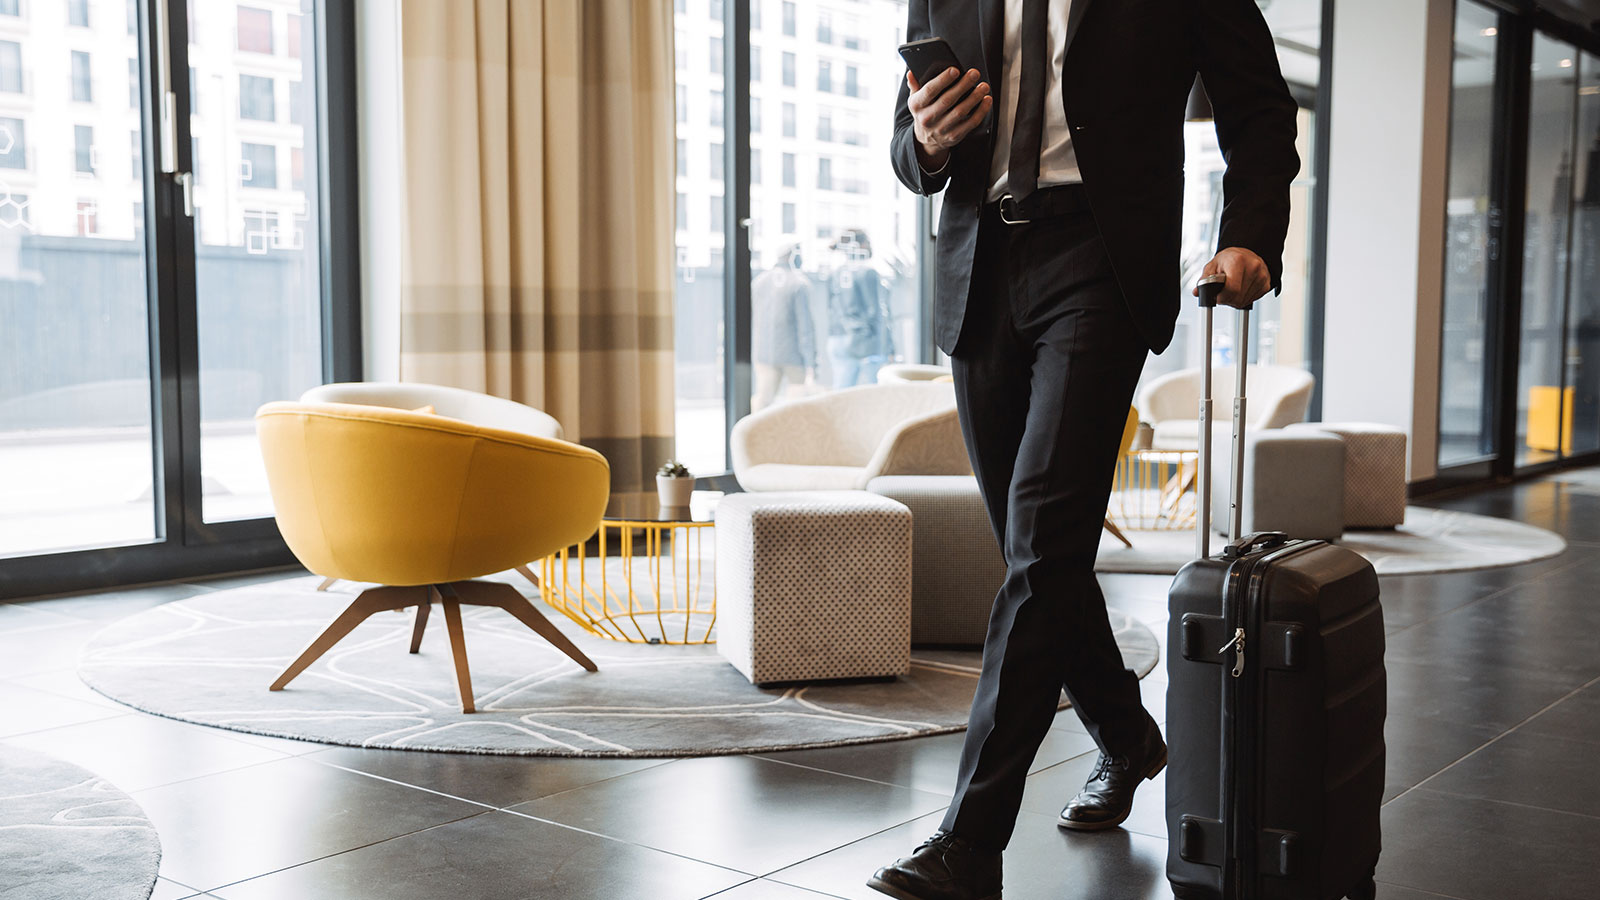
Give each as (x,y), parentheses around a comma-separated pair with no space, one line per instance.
(1374,472)
(813,585)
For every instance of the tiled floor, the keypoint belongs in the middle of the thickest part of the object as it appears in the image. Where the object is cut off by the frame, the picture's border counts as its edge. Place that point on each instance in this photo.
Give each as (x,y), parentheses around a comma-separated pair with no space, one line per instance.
(1494,791)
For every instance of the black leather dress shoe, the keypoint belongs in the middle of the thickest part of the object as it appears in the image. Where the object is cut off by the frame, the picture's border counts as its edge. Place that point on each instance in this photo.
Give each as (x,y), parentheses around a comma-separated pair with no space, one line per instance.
(945,867)
(1107,797)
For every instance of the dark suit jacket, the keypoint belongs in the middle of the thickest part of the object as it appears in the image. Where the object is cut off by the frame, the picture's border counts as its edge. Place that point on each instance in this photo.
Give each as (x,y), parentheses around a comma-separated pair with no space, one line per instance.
(1127,73)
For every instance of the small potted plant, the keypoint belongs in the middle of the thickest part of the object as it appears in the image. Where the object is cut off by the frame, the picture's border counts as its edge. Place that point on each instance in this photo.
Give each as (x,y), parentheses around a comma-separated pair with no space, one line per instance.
(674,483)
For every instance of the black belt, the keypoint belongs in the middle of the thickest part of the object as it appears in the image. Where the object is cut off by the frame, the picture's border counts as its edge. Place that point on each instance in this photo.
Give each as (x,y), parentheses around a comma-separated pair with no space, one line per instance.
(1043,203)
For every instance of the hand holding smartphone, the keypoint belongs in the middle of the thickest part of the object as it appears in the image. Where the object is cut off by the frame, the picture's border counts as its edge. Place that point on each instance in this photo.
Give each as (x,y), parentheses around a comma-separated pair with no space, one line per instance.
(947,105)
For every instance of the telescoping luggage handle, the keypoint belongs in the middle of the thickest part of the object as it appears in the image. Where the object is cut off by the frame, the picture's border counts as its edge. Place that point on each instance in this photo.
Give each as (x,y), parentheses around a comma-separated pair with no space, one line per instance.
(1210,289)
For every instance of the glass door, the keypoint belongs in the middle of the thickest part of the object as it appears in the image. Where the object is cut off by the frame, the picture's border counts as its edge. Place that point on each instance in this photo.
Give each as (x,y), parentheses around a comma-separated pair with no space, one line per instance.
(1473,220)
(1544,401)
(77,462)
(258,270)
(177,247)
(1583,296)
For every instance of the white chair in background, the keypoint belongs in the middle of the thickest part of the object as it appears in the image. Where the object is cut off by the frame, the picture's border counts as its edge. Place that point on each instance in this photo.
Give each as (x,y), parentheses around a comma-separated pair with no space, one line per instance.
(839,441)
(1278,396)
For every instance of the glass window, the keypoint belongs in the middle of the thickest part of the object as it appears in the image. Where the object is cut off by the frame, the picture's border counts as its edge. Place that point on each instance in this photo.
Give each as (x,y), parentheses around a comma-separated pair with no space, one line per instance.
(133,84)
(88,218)
(292,43)
(824,174)
(136,154)
(298,98)
(259,167)
(824,27)
(254,30)
(755,166)
(683,158)
(1583,300)
(1541,404)
(82,86)
(755,64)
(683,103)
(83,149)
(716,161)
(788,170)
(13,143)
(133,27)
(788,18)
(256,99)
(10,7)
(78,13)
(789,116)
(714,10)
(716,56)
(10,67)
(852,81)
(788,69)
(717,109)
(824,76)
(755,115)
(1281,327)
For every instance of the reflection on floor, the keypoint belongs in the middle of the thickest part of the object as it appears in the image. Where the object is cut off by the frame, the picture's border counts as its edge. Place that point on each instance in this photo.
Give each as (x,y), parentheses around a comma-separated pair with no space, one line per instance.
(1493,794)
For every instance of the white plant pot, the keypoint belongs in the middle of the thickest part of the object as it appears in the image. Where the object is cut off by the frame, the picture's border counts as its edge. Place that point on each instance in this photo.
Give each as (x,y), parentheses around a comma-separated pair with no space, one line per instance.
(674,491)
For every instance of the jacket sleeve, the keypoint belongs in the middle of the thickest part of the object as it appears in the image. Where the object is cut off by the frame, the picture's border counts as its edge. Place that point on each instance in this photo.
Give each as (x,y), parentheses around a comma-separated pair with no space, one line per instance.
(903,148)
(1256,124)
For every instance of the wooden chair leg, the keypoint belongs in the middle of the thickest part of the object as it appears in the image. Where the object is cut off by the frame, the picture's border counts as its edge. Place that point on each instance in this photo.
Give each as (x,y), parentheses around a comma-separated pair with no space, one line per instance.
(423,609)
(1117,533)
(490,593)
(458,649)
(528,574)
(327,583)
(370,601)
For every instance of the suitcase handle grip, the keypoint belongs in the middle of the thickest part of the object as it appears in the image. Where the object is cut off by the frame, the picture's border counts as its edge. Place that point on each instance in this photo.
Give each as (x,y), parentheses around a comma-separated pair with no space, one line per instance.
(1210,289)
(1260,540)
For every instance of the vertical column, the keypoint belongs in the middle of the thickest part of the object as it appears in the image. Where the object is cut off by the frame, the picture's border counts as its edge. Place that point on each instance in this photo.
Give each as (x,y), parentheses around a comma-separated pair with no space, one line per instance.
(1388,174)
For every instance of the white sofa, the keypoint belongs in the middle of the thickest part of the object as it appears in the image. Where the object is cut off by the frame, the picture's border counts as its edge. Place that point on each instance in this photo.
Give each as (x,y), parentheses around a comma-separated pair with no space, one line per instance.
(1278,396)
(841,440)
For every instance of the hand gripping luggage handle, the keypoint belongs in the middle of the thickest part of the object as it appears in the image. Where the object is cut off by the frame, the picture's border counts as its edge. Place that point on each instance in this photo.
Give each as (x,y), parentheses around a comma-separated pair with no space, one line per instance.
(1210,289)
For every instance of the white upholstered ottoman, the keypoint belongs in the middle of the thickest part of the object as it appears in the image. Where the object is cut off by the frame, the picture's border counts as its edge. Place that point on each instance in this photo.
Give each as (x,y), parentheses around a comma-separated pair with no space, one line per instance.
(1293,483)
(957,567)
(813,585)
(1374,472)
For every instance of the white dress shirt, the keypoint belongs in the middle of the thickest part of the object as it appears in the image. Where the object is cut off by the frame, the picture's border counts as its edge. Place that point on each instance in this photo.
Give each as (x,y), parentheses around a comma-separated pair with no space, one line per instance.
(1058,164)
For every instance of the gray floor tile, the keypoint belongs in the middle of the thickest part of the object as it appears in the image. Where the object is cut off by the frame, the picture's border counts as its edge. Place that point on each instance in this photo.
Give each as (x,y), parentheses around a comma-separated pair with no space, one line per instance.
(108,606)
(925,764)
(224,828)
(29,710)
(493,856)
(762,889)
(135,752)
(498,781)
(744,813)
(1484,850)
(1530,769)
(1042,863)
(42,649)
(1576,718)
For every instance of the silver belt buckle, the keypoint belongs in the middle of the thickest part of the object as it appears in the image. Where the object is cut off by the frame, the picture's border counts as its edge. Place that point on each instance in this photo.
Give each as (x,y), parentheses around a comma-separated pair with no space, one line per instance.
(1007,219)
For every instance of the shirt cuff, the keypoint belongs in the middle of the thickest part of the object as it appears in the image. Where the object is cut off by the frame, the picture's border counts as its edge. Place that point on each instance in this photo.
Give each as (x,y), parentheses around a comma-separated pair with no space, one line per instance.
(936,172)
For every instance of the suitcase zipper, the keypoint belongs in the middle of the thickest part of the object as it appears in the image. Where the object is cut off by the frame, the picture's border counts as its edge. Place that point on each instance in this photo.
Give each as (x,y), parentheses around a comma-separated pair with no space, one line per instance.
(1237,646)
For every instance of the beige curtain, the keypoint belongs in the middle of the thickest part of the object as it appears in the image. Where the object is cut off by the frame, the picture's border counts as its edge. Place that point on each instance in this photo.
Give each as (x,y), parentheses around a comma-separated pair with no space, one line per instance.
(538,229)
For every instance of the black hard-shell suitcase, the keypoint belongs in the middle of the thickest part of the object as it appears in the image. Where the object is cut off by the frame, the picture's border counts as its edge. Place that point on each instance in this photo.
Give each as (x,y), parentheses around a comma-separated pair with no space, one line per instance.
(1275,707)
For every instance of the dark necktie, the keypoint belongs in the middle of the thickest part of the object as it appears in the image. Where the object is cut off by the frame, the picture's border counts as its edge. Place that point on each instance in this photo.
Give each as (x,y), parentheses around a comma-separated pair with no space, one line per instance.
(1027,134)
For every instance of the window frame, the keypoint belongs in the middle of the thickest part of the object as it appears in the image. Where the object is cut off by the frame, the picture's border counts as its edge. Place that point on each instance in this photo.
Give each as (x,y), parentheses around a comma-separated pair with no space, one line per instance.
(187,546)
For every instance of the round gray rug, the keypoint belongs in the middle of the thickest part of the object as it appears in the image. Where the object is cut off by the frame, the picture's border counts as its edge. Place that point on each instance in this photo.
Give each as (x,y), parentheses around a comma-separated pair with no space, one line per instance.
(1430,541)
(67,834)
(208,659)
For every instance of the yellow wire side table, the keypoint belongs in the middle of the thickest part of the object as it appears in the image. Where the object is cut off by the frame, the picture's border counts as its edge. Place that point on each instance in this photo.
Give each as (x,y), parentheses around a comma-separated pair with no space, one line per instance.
(1154,490)
(666,596)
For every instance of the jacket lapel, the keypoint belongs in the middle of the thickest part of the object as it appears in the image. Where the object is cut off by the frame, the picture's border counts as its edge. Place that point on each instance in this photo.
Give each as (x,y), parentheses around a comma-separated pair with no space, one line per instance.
(992,30)
(1074,19)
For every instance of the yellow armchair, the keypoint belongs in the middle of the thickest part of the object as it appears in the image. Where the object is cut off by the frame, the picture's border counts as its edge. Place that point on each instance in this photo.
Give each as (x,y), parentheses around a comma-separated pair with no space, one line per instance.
(423,504)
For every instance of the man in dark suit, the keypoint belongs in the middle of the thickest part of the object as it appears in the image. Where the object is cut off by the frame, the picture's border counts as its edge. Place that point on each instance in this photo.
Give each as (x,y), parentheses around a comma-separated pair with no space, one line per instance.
(1057,271)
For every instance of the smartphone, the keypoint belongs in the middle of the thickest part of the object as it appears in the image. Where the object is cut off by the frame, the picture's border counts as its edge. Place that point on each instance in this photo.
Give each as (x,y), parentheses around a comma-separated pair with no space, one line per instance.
(927,58)
(931,56)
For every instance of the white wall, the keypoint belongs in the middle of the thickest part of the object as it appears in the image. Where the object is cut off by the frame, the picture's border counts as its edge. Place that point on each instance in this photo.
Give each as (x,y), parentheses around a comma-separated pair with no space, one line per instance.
(382,162)
(1387,183)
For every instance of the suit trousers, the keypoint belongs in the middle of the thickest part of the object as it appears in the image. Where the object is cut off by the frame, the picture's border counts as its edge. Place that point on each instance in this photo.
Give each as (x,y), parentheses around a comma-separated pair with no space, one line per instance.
(1044,375)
